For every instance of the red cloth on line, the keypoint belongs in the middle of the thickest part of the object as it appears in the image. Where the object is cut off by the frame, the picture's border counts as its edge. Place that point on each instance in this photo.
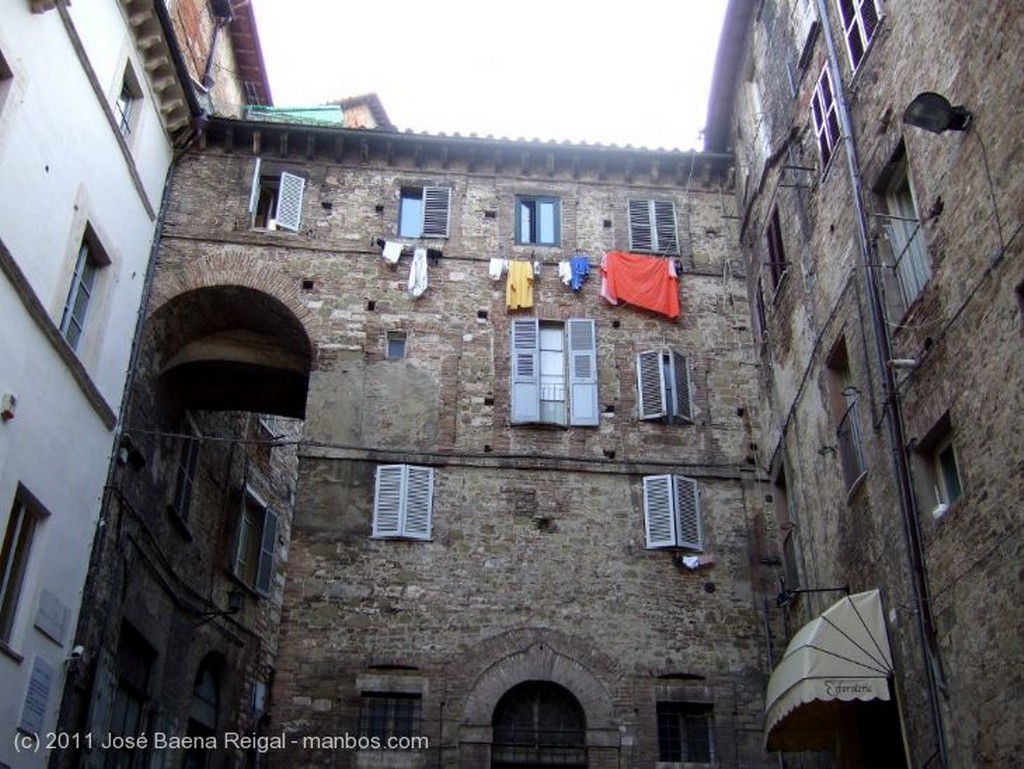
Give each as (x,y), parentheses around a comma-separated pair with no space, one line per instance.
(644,281)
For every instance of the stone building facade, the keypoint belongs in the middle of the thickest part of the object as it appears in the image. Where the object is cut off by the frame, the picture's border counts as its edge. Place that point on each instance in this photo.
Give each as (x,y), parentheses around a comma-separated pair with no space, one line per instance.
(560,575)
(885,277)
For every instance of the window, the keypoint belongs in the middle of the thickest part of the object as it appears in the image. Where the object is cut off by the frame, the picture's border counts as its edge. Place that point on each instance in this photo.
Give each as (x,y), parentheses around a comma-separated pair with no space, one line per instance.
(663,385)
(902,227)
(762,316)
(204,711)
(940,485)
(949,488)
(537,221)
(384,715)
(276,198)
(554,372)
(188,459)
(672,512)
(784,514)
(826,118)
(126,105)
(395,345)
(860,20)
(423,212)
(652,226)
(83,285)
(684,733)
(776,253)
(255,543)
(21,528)
(134,663)
(843,403)
(538,723)
(403,502)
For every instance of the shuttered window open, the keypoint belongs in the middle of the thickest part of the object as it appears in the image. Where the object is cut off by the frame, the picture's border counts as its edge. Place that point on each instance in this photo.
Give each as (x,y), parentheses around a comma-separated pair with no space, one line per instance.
(289,201)
(664,389)
(436,207)
(403,502)
(582,373)
(534,394)
(525,370)
(672,516)
(266,566)
(652,227)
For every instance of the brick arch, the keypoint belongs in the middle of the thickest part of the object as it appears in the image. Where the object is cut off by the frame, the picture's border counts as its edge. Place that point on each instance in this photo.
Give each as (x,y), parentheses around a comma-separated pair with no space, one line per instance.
(543,655)
(235,267)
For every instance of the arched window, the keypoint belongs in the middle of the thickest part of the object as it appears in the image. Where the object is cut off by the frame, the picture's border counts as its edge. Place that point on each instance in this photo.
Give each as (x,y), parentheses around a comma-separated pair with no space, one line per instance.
(538,723)
(204,709)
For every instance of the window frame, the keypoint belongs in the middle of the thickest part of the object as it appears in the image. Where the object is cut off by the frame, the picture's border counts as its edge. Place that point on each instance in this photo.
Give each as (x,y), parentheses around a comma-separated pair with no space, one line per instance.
(127,102)
(24,520)
(189,446)
(403,502)
(777,265)
(392,339)
(278,192)
(434,211)
(534,238)
(86,279)
(684,714)
(825,115)
(661,396)
(855,27)
(904,233)
(253,556)
(942,471)
(649,224)
(379,716)
(672,512)
(580,381)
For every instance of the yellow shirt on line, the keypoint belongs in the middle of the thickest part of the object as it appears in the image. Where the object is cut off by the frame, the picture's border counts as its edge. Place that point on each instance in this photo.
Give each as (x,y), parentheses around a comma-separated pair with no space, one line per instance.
(519,290)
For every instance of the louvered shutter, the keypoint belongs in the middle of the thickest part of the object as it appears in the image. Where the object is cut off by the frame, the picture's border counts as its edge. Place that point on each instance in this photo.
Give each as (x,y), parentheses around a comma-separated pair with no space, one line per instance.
(659,516)
(254,192)
(666,240)
(266,566)
(419,491)
(683,406)
(387,501)
(582,348)
(436,204)
(641,234)
(525,370)
(650,380)
(689,531)
(289,201)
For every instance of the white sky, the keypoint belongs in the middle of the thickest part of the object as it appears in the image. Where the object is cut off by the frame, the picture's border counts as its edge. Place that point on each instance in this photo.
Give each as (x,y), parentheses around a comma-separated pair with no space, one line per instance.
(600,72)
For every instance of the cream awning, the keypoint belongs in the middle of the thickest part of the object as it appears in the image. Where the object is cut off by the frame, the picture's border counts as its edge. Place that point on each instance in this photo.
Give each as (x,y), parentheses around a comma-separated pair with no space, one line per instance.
(841,656)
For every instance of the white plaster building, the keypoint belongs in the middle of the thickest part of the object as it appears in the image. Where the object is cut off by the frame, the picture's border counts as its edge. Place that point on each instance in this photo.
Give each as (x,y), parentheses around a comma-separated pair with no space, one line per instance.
(91,108)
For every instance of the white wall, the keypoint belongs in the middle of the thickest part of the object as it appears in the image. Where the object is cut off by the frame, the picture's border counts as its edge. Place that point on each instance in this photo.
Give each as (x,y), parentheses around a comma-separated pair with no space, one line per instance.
(61,165)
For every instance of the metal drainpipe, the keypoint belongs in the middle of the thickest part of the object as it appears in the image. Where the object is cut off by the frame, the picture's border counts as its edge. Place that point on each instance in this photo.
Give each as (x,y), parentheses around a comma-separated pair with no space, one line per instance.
(890,393)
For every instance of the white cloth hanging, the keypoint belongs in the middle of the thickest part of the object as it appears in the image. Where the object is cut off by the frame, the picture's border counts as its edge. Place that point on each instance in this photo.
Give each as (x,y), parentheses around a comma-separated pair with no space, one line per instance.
(496,267)
(392,250)
(418,273)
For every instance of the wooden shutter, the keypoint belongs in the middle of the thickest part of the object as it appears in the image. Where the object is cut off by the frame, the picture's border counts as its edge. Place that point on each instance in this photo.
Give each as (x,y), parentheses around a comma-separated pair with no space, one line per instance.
(582,346)
(387,501)
(254,192)
(641,235)
(436,204)
(666,240)
(265,570)
(689,531)
(419,491)
(680,367)
(289,201)
(650,380)
(659,516)
(525,370)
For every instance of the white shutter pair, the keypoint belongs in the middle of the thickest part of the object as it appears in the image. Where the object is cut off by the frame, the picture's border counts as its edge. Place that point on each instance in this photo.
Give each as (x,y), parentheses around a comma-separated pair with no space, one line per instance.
(652,227)
(288,210)
(581,344)
(664,386)
(672,512)
(403,501)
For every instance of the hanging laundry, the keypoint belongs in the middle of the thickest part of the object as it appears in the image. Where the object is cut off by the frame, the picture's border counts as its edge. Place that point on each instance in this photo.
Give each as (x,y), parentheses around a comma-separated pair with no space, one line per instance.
(519,289)
(565,272)
(580,269)
(392,250)
(644,281)
(418,273)
(496,267)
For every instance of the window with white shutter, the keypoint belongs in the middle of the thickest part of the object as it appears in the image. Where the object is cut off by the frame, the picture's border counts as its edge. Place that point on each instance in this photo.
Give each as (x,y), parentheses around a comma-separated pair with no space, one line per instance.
(652,227)
(664,390)
(554,372)
(672,512)
(403,502)
(255,543)
(275,200)
(424,212)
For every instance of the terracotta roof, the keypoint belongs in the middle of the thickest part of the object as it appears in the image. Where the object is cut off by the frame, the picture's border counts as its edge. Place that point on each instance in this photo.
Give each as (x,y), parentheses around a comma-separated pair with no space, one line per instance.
(376,108)
(728,59)
(245,41)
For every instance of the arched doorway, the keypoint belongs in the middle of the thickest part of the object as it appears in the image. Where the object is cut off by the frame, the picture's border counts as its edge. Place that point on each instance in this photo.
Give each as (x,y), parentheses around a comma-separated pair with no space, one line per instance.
(538,723)
(204,709)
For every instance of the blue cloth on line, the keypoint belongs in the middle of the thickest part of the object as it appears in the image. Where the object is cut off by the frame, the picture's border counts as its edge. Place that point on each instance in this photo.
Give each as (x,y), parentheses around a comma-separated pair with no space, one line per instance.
(580,266)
